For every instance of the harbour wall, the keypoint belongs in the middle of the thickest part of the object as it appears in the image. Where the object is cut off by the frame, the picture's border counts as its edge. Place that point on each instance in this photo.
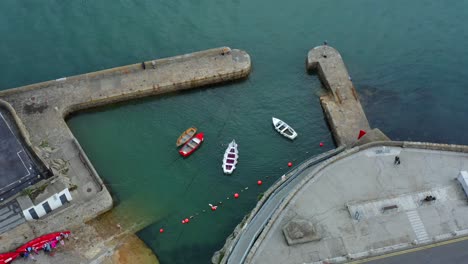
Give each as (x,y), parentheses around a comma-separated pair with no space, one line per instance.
(40,111)
(197,69)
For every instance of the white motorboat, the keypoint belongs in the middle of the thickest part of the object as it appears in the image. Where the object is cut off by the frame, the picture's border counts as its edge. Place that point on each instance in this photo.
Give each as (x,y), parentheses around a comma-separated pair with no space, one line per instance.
(284,129)
(230,158)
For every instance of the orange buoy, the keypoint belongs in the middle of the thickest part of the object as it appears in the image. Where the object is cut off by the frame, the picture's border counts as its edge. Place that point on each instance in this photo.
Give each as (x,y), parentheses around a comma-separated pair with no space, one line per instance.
(236,195)
(289,164)
(161,230)
(259,182)
(321,144)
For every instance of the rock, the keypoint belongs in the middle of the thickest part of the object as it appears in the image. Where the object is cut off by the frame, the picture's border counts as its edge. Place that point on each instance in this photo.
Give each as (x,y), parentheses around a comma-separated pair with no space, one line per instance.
(216,258)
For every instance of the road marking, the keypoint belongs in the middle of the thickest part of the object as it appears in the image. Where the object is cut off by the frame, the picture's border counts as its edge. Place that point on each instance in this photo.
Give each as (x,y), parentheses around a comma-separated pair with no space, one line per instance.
(6,123)
(411,250)
(21,148)
(24,164)
(418,226)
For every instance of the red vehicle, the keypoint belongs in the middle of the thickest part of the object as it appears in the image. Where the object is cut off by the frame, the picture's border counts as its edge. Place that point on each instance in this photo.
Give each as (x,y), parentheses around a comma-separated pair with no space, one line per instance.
(8,257)
(192,145)
(39,242)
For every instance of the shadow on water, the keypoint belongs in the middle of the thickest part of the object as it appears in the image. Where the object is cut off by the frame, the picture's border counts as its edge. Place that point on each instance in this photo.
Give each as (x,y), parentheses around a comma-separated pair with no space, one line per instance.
(371,96)
(377,102)
(147,99)
(400,115)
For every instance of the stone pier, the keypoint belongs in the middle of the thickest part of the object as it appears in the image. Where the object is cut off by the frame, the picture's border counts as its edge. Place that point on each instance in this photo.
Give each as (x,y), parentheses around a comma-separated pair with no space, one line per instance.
(341,105)
(40,110)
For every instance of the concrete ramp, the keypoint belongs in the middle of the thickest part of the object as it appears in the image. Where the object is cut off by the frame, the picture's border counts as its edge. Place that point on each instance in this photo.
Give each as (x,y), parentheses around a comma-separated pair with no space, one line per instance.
(10,216)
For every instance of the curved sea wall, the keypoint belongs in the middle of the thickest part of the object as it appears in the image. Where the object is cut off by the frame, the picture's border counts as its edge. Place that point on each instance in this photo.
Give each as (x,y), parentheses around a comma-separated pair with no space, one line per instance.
(330,162)
(222,255)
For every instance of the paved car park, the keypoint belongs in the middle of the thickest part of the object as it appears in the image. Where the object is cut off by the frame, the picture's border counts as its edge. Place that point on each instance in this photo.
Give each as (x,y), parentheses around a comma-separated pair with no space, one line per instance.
(17,169)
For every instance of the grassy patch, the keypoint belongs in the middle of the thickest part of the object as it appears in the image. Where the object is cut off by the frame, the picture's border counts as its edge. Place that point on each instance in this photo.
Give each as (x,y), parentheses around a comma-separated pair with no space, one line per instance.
(72,187)
(27,192)
(34,192)
(221,256)
(260,196)
(44,144)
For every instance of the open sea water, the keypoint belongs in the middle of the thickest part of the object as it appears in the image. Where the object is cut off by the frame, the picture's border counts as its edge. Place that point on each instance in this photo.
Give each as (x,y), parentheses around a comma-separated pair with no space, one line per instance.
(407,59)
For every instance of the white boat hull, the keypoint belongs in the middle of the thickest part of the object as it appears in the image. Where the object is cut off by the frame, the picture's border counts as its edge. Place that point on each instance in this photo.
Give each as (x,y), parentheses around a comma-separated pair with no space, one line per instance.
(284,129)
(230,158)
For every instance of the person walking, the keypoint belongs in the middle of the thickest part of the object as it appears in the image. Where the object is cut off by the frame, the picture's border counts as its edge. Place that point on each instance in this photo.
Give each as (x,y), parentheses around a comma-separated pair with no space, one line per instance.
(397,160)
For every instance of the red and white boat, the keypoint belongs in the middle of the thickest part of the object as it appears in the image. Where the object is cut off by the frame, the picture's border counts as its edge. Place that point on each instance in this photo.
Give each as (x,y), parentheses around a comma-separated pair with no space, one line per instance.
(191,145)
(8,257)
(39,242)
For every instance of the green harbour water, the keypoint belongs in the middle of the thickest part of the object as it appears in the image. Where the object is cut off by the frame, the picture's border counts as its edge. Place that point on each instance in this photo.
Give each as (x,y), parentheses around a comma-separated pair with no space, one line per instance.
(407,61)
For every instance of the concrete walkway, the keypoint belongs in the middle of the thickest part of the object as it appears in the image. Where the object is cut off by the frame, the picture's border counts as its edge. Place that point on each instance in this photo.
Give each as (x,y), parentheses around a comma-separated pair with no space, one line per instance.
(361,204)
(250,233)
(10,216)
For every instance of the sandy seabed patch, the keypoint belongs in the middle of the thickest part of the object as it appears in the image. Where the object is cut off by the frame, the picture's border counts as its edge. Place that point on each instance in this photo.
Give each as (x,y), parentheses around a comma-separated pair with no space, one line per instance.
(132,251)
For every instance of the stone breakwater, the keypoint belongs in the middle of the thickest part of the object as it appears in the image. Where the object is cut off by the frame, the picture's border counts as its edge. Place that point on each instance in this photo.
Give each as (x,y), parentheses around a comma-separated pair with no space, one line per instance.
(40,111)
(341,104)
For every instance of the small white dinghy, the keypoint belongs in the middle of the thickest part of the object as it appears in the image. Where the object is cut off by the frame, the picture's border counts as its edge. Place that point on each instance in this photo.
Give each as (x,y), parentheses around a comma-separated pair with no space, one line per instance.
(230,158)
(284,129)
